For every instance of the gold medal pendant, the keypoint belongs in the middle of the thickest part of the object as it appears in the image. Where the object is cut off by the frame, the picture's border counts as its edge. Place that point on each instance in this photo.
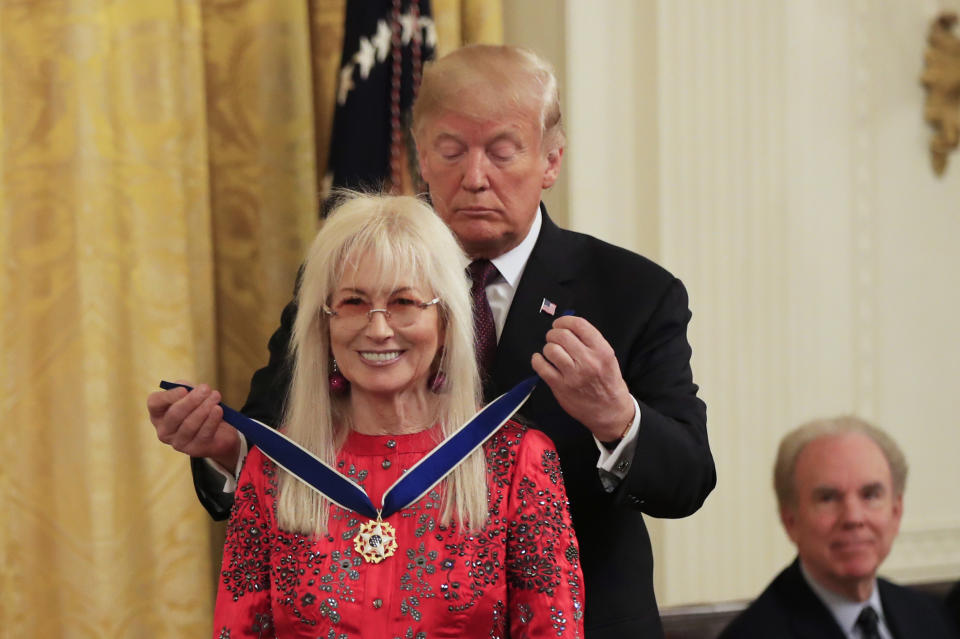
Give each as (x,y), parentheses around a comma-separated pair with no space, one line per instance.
(376,541)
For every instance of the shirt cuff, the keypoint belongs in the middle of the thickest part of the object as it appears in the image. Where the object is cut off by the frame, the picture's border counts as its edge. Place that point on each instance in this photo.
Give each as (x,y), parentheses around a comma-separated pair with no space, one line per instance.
(613,465)
(230,479)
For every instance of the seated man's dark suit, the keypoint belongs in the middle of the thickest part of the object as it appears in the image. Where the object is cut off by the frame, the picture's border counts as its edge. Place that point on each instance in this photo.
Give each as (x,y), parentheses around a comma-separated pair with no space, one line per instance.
(642,312)
(953,605)
(789,609)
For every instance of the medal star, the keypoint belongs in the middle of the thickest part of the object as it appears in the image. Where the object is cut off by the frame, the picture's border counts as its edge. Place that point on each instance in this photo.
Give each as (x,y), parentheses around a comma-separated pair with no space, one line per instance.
(376,541)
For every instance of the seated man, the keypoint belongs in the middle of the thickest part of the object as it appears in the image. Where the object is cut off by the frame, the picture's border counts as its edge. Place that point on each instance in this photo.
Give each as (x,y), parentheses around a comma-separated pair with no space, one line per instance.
(839,485)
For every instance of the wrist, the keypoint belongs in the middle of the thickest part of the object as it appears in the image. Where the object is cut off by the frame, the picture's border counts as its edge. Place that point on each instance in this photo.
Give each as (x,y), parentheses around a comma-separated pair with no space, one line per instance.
(612,443)
(231,454)
(620,425)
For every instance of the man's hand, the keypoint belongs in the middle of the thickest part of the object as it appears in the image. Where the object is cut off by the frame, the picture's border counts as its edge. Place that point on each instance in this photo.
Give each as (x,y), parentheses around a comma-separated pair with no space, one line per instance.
(192,423)
(582,370)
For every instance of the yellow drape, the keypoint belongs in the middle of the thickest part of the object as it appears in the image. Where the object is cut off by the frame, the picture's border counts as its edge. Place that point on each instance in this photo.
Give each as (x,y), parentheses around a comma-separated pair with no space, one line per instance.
(159,163)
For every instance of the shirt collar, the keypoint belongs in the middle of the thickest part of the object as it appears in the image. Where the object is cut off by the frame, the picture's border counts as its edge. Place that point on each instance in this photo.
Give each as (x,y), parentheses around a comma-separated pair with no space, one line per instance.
(512,263)
(844,610)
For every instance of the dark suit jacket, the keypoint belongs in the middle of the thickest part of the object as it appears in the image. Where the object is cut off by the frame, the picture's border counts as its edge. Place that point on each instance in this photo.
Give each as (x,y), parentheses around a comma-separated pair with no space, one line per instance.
(642,311)
(953,605)
(789,609)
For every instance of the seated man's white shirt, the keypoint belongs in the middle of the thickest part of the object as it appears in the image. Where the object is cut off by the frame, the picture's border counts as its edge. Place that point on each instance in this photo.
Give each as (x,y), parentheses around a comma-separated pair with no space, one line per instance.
(846,611)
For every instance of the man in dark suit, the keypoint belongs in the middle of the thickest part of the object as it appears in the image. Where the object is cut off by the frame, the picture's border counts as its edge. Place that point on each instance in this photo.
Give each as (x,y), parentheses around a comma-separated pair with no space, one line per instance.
(839,485)
(618,399)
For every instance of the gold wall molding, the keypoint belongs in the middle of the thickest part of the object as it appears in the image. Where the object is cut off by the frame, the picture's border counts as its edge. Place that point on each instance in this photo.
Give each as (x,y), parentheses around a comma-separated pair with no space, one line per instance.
(926,552)
(941,77)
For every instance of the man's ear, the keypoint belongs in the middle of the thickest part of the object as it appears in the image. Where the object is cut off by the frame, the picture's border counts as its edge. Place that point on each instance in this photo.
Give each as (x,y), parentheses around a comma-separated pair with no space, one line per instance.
(552,170)
(898,509)
(788,517)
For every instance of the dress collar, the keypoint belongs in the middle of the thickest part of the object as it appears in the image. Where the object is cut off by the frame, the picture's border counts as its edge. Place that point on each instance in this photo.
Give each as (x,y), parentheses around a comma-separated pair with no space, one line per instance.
(379,445)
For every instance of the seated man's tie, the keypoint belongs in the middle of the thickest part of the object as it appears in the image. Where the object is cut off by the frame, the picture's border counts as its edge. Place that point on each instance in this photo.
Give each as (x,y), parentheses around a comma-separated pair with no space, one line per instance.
(868,623)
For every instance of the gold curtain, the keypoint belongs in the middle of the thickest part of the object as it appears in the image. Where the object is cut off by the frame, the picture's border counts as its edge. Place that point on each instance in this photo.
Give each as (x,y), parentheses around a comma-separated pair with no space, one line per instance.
(159,164)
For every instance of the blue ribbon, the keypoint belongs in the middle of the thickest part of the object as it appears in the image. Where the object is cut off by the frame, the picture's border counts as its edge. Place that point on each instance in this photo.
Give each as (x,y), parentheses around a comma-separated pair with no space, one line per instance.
(411,486)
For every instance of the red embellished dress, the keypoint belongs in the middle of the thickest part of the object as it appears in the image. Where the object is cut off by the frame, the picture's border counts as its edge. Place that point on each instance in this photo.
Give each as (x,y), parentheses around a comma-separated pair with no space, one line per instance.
(518,576)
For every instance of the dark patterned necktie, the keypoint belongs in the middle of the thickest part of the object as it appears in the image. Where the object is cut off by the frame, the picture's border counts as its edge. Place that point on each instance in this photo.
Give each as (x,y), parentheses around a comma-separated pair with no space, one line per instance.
(482,273)
(868,624)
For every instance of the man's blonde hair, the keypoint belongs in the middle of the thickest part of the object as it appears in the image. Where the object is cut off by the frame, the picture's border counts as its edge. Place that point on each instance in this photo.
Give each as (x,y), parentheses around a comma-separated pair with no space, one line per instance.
(796,440)
(480,79)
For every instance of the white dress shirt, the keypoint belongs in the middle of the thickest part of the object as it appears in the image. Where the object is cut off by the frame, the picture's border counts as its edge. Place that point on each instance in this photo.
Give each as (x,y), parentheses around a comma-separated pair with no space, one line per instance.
(846,611)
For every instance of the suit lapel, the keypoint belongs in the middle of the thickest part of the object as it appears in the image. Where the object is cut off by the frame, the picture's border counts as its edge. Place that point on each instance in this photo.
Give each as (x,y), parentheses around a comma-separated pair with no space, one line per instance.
(547,275)
(810,617)
(897,615)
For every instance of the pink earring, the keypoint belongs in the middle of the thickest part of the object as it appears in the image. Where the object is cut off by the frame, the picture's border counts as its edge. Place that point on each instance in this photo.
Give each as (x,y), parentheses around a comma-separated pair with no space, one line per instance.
(437,382)
(339,385)
(438,379)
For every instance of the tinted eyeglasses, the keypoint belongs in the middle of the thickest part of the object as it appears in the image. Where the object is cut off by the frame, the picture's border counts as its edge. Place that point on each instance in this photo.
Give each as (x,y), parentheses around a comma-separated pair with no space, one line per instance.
(356,312)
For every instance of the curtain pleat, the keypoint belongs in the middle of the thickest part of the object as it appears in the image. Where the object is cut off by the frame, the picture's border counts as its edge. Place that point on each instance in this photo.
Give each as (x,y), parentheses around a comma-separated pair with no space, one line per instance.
(462,22)
(107,283)
(263,184)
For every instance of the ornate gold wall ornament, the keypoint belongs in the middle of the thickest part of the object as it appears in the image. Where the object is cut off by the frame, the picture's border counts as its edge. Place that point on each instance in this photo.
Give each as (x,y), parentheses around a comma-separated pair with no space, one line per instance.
(941,77)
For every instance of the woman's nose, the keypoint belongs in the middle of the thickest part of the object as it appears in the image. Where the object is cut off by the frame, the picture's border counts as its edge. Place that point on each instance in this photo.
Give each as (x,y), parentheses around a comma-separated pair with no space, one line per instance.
(379,326)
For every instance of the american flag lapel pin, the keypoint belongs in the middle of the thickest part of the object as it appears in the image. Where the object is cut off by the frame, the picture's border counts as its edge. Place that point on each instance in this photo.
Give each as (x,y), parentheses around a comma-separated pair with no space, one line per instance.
(548,307)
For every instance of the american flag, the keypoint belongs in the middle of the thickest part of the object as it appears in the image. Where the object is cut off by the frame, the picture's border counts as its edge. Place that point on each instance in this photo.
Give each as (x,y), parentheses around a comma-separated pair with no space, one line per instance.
(548,307)
(385,44)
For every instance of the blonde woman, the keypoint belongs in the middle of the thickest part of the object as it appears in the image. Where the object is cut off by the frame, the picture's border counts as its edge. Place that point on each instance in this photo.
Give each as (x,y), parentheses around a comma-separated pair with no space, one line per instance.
(383,372)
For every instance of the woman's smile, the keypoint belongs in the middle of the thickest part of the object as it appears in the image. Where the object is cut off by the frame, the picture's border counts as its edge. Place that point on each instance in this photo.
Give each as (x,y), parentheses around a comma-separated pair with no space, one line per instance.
(380,357)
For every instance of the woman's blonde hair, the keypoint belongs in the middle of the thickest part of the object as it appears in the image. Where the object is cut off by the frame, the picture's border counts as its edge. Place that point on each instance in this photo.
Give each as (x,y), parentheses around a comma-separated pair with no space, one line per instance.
(407,241)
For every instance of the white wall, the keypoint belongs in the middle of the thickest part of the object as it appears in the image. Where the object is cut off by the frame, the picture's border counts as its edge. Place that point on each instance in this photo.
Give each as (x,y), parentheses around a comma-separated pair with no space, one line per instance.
(773,155)
(540,25)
